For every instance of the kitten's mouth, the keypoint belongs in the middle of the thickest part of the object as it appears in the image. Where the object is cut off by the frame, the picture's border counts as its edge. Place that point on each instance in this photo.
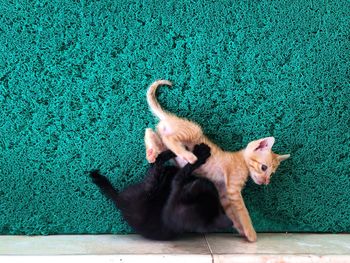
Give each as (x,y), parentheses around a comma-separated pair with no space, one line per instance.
(260,181)
(256,180)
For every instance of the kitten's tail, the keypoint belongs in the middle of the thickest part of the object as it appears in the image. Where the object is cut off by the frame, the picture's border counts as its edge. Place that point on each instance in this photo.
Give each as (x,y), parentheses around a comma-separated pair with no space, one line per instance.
(153,102)
(105,186)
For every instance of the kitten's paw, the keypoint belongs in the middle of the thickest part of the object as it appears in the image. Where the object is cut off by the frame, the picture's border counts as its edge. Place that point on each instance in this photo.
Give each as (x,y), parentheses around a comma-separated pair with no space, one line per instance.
(202,151)
(239,228)
(151,155)
(154,145)
(189,157)
(251,235)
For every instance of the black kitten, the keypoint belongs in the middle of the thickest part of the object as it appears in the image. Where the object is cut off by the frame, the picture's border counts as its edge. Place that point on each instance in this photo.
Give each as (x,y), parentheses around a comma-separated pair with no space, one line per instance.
(169,201)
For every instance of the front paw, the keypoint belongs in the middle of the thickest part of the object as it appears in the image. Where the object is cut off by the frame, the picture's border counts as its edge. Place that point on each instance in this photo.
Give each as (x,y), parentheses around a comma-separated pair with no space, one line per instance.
(250,235)
(239,228)
(164,157)
(202,151)
(189,157)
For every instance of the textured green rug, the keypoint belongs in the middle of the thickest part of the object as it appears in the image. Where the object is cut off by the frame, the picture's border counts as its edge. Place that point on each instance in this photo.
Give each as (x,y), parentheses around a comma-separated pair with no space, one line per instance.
(73,77)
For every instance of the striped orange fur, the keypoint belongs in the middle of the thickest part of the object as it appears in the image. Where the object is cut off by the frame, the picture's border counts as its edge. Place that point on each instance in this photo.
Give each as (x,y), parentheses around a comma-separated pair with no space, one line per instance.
(228,170)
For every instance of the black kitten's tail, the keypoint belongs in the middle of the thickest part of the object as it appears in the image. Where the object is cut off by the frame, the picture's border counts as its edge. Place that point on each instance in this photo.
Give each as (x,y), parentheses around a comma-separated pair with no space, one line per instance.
(105,186)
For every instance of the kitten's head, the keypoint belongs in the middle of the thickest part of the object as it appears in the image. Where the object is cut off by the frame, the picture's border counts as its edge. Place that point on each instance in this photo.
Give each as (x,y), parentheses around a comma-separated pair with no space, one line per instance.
(261,161)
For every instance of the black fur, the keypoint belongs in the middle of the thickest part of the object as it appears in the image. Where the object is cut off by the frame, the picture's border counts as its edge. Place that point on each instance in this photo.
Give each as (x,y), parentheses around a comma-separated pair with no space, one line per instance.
(169,201)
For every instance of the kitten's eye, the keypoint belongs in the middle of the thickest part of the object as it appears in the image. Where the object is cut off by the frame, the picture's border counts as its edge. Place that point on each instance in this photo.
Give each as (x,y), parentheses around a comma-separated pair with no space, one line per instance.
(264,167)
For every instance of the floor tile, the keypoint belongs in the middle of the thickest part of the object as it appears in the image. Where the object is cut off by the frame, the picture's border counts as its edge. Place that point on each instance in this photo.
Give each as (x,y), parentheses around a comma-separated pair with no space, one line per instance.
(260,258)
(284,244)
(100,245)
(217,248)
(140,258)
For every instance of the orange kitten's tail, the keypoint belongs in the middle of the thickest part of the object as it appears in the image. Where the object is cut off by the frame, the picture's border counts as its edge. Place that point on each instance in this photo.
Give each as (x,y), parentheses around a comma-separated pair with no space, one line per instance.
(152,99)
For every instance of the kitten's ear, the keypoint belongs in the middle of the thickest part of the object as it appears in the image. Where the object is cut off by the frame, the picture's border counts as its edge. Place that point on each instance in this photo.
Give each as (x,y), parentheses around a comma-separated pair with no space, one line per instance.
(264,144)
(283,157)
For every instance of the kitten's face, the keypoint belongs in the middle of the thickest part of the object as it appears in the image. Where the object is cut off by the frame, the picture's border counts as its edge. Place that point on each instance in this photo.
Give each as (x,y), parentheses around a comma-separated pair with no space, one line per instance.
(261,161)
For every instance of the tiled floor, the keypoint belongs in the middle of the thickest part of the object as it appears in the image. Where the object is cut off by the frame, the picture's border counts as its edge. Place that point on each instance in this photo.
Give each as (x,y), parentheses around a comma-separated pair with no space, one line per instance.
(192,248)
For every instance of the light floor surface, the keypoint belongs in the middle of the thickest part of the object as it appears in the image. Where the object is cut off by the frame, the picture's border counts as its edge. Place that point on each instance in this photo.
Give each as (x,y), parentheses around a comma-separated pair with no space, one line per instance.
(192,248)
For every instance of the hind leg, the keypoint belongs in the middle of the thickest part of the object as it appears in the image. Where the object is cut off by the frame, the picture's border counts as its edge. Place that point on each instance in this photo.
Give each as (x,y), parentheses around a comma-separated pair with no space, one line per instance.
(154,145)
(178,133)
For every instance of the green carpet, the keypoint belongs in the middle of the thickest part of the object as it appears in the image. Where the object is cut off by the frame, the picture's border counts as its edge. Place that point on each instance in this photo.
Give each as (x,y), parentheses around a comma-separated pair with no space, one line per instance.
(73,77)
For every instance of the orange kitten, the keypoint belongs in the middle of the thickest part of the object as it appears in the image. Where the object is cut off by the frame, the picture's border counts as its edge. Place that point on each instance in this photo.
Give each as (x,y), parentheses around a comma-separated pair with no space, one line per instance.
(228,170)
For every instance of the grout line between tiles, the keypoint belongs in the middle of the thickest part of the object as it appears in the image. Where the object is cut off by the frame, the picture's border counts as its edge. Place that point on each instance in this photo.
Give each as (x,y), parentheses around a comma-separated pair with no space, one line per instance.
(208,245)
